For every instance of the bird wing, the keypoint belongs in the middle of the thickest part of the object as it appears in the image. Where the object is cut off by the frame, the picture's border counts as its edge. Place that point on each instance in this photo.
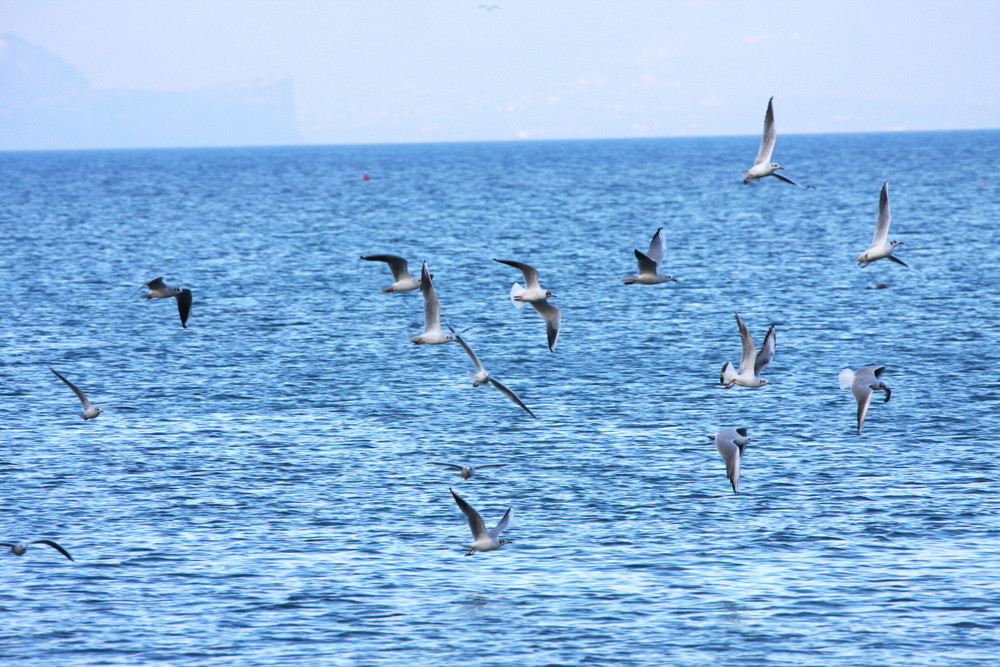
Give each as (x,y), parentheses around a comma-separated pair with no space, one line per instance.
(156,283)
(184,305)
(432,309)
(511,395)
(468,350)
(749,356)
(788,180)
(530,274)
(884,217)
(450,465)
(724,442)
(768,138)
(863,395)
(553,317)
(76,390)
(54,546)
(646,263)
(491,465)
(766,352)
(398,265)
(476,524)
(504,522)
(657,246)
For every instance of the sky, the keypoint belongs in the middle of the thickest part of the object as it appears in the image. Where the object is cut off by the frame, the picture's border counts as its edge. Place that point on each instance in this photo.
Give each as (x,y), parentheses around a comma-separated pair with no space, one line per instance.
(386,71)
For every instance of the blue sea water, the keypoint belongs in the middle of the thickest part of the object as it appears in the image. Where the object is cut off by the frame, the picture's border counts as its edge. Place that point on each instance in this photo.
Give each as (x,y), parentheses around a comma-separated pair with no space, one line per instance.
(259,490)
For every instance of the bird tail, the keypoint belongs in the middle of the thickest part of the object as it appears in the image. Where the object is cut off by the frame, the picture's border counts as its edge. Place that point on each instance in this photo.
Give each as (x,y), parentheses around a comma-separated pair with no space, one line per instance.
(727,374)
(846,378)
(515,291)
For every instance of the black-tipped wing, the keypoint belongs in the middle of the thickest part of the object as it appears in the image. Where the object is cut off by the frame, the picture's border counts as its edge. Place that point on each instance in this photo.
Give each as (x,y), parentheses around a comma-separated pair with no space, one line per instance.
(54,546)
(553,318)
(768,136)
(476,524)
(76,390)
(766,352)
(511,395)
(646,263)
(530,274)
(398,265)
(184,306)
(156,283)
(788,180)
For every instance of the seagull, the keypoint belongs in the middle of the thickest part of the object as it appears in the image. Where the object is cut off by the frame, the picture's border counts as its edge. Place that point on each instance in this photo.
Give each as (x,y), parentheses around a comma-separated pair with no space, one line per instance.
(482,376)
(751,361)
(863,382)
(403,281)
(489,8)
(762,165)
(483,540)
(18,548)
(468,471)
(881,247)
(649,263)
(432,335)
(90,411)
(731,442)
(160,290)
(533,293)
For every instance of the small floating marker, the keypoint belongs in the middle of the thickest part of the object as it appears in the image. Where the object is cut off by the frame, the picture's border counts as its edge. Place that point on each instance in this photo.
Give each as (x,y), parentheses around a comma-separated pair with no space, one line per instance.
(366,178)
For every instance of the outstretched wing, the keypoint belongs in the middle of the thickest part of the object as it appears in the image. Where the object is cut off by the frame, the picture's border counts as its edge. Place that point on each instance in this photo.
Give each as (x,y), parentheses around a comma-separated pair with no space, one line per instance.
(788,180)
(468,350)
(768,138)
(657,246)
(476,524)
(646,264)
(504,522)
(184,305)
(54,546)
(749,355)
(766,352)
(512,396)
(398,265)
(530,274)
(884,217)
(76,390)
(553,318)
(432,309)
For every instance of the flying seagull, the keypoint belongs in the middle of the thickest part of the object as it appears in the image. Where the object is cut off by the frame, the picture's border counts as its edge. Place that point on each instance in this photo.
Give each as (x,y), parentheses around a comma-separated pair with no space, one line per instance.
(482,376)
(649,263)
(432,335)
(482,539)
(751,361)
(762,165)
(881,247)
(863,382)
(90,411)
(402,280)
(18,548)
(468,471)
(533,293)
(731,442)
(160,290)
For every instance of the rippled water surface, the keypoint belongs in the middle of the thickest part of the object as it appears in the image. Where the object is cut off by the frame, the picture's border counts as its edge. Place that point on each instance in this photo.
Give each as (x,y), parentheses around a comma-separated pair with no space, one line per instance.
(259,491)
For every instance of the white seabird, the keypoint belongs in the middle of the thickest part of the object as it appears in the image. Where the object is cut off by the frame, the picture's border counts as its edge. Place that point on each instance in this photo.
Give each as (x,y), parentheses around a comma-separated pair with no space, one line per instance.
(731,442)
(467,471)
(18,548)
(482,539)
(649,263)
(752,363)
(482,376)
(881,247)
(863,382)
(762,165)
(403,281)
(432,335)
(533,293)
(160,290)
(90,411)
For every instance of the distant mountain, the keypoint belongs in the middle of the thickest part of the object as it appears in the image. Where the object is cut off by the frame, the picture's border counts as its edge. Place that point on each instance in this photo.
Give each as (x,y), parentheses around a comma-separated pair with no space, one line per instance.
(47,103)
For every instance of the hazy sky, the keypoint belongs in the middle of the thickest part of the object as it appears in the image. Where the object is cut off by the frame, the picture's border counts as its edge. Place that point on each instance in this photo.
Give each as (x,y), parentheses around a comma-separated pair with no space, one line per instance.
(442,70)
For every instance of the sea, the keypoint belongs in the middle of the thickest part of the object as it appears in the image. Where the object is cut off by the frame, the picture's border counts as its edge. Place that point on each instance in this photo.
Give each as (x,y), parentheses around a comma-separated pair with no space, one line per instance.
(260,489)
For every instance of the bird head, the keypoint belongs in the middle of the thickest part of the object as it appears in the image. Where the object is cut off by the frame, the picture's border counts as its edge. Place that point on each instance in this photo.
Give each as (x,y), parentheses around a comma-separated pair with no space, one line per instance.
(775,166)
(549,294)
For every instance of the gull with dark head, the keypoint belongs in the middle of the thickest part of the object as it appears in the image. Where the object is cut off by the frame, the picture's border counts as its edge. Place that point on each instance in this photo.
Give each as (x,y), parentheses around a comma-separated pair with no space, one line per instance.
(90,411)
(468,471)
(18,548)
(160,290)
(533,293)
(482,539)
(482,376)
(403,281)
(432,335)
(731,442)
(881,247)
(752,363)
(649,263)
(863,383)
(762,165)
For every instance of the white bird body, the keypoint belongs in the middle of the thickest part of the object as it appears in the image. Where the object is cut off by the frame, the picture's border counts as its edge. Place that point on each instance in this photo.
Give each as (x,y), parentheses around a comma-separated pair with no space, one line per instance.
(90,411)
(649,263)
(731,442)
(482,376)
(468,471)
(881,247)
(18,548)
(533,293)
(160,290)
(863,383)
(403,281)
(482,539)
(433,334)
(762,164)
(752,363)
